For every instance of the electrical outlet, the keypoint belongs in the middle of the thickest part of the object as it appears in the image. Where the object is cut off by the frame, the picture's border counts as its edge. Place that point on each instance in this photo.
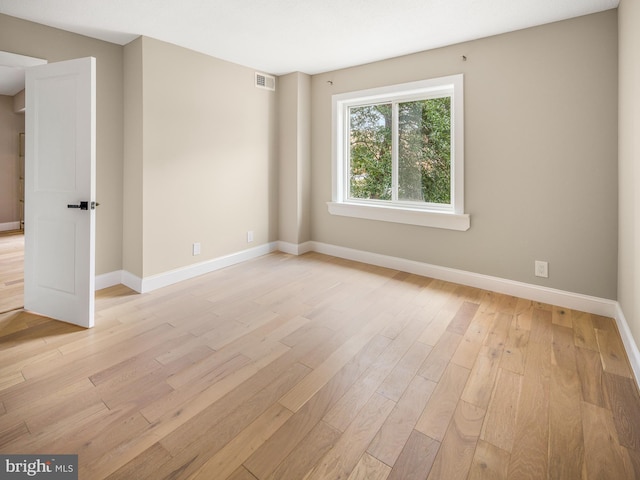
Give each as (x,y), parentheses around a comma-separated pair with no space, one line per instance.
(250,236)
(542,269)
(196,248)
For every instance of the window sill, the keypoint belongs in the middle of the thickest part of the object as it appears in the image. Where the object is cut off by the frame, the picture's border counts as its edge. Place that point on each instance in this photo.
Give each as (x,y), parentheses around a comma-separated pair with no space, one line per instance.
(450,221)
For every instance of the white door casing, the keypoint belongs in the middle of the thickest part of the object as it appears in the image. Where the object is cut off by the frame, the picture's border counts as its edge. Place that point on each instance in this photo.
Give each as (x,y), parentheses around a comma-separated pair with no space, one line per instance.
(60,160)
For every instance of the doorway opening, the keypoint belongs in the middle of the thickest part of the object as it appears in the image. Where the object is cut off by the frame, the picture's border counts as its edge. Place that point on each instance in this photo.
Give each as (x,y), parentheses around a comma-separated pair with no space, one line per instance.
(12,177)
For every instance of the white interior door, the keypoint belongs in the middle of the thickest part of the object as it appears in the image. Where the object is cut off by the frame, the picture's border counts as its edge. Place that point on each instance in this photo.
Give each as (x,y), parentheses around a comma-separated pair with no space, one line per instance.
(60,173)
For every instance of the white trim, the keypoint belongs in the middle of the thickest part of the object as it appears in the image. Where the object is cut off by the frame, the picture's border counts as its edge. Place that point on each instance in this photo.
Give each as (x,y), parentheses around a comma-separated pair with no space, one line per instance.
(574,301)
(118,277)
(630,344)
(384,213)
(295,248)
(153,282)
(164,279)
(452,86)
(107,280)
(132,281)
(5,227)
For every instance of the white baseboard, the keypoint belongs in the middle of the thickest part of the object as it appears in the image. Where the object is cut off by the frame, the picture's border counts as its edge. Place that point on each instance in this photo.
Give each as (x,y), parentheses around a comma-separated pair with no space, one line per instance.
(132,281)
(179,274)
(118,277)
(295,248)
(629,343)
(5,227)
(575,301)
(153,282)
(110,279)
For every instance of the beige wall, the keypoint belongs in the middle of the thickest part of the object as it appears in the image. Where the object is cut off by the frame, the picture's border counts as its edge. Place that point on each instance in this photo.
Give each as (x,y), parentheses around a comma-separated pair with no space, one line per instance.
(31,39)
(202,154)
(132,169)
(541,156)
(294,114)
(209,157)
(11,124)
(629,163)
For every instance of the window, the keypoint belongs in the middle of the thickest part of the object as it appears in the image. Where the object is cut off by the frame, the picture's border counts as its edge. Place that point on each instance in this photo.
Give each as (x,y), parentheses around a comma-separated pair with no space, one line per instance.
(398,154)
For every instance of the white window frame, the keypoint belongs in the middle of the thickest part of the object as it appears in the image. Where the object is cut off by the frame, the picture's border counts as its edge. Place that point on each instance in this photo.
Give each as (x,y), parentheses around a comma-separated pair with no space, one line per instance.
(450,216)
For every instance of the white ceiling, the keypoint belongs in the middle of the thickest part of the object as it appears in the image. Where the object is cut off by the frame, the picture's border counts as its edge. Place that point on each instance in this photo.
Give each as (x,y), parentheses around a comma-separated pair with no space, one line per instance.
(281,36)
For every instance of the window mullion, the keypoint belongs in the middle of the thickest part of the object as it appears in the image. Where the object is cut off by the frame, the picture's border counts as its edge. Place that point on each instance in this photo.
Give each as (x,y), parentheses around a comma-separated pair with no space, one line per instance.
(394,152)
(346,167)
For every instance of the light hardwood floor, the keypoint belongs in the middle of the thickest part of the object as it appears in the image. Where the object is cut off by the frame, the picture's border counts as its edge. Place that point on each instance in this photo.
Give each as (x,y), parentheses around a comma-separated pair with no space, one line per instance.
(11,270)
(313,367)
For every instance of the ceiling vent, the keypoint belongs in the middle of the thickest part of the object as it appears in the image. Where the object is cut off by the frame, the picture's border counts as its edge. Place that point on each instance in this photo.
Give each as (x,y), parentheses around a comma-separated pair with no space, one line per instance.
(265,81)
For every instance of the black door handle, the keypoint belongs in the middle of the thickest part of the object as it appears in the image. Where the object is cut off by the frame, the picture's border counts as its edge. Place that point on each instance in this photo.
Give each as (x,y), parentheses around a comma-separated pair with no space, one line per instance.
(84,205)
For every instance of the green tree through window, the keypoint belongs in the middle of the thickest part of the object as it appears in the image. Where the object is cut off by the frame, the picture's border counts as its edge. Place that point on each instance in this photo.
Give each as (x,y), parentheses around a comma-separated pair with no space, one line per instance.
(423,146)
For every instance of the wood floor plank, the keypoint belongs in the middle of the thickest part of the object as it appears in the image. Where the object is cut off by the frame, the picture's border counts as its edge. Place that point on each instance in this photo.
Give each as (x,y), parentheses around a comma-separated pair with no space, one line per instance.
(177,415)
(479,387)
(106,440)
(222,380)
(62,435)
(227,460)
(439,323)
(561,316)
(474,337)
(523,314)
(603,456)
(392,436)
(313,382)
(566,443)
(12,272)
(306,454)
(591,376)
(455,455)
(583,332)
(369,468)
(404,372)
(498,331)
(460,322)
(343,457)
(60,405)
(541,326)
(614,359)
(530,452)
(141,466)
(241,473)
(192,444)
(500,426)
(9,433)
(345,410)
(10,379)
(441,406)
(489,463)
(416,459)
(515,349)
(439,358)
(623,397)
(265,460)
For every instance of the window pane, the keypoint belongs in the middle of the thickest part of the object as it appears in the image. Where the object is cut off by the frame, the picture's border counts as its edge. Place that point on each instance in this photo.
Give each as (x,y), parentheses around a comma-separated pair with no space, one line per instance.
(370,152)
(424,151)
